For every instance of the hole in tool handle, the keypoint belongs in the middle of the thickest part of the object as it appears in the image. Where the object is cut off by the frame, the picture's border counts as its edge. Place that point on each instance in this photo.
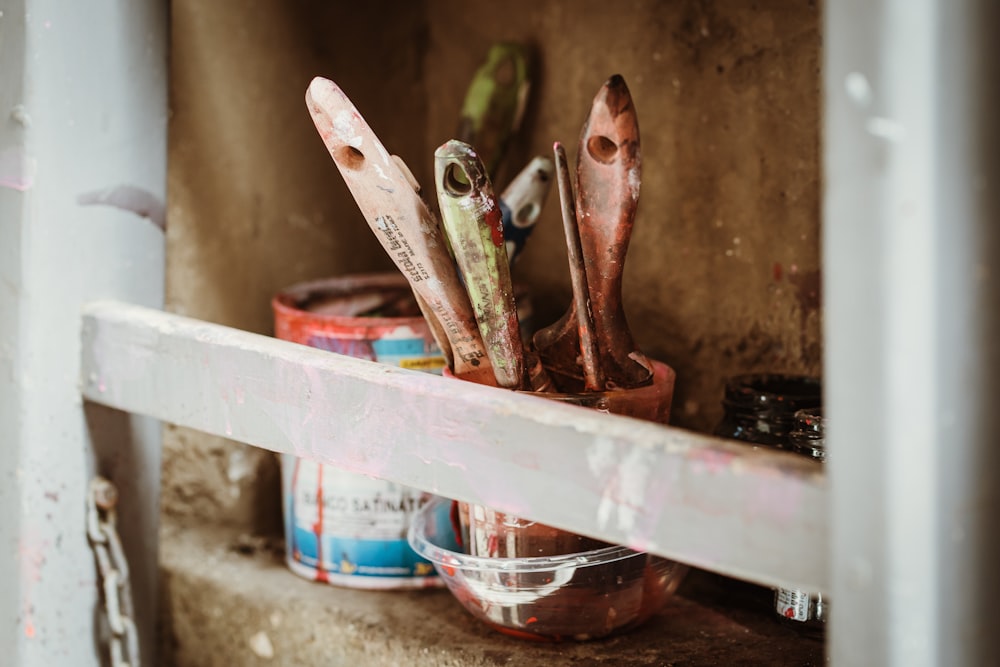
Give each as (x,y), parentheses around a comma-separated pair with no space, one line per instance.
(526,215)
(602,149)
(350,157)
(456,182)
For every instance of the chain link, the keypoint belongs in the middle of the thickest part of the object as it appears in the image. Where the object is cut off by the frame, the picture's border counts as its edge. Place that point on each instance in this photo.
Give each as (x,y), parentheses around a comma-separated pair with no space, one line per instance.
(113,569)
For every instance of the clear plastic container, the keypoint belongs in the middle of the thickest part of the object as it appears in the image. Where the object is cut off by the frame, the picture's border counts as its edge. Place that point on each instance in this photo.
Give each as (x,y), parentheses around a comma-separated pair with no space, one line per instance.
(584,595)
(487,532)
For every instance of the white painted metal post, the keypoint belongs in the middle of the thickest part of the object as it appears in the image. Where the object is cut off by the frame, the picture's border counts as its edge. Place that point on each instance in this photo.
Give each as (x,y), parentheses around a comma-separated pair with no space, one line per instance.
(912,94)
(82,181)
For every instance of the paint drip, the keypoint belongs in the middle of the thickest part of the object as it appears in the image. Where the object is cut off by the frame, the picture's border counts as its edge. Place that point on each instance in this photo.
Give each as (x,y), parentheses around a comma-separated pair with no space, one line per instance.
(340,527)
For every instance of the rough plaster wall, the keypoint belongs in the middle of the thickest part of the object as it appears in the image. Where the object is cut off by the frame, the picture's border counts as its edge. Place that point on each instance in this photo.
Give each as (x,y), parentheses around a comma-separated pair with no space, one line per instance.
(723,273)
(255,204)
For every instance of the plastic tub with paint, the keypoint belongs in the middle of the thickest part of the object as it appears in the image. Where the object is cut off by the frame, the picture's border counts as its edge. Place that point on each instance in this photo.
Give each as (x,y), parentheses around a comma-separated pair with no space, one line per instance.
(582,595)
(488,532)
(341,527)
(535,581)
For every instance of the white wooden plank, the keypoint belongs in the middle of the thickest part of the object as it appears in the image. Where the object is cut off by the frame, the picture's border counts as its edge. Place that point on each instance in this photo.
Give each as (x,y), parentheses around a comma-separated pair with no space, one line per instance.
(717,504)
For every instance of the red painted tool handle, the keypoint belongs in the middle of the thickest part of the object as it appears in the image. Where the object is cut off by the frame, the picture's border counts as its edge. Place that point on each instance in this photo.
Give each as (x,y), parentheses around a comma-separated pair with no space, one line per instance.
(593,375)
(608,178)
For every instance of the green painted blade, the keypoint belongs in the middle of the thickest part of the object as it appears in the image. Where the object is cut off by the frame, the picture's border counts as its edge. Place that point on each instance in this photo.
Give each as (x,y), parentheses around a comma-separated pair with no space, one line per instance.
(470,215)
(494,104)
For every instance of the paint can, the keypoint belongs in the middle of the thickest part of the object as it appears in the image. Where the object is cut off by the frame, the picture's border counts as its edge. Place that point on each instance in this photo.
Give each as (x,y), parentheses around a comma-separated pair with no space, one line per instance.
(340,527)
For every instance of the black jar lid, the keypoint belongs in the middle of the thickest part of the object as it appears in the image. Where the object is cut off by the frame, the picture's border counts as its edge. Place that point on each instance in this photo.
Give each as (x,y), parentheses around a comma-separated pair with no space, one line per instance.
(760,407)
(773,393)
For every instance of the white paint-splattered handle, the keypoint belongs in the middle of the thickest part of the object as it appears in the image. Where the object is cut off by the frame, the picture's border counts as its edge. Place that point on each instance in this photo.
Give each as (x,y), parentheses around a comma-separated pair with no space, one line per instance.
(401,221)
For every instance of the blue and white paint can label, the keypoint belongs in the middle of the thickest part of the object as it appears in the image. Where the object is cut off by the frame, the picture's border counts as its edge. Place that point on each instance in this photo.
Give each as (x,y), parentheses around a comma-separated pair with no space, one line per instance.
(341,527)
(350,530)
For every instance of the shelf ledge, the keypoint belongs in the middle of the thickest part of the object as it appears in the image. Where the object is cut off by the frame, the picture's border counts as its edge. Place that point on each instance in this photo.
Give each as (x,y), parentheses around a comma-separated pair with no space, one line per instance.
(743,511)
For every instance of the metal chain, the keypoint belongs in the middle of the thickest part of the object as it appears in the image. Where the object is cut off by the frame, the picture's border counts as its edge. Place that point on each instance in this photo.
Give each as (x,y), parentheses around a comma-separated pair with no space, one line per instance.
(113,569)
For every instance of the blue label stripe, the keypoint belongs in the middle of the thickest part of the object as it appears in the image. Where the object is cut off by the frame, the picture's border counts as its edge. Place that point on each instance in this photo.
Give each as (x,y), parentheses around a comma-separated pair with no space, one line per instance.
(400,347)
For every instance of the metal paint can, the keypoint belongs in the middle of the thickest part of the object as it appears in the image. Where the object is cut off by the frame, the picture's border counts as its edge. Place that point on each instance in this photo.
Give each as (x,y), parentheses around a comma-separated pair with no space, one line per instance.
(340,527)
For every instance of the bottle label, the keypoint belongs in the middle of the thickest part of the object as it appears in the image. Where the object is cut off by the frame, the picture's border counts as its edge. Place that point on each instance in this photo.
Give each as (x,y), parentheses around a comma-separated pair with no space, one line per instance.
(792,604)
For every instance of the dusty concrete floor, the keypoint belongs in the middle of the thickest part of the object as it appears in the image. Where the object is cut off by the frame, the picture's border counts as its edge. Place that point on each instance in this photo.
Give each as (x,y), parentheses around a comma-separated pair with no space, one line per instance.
(228,603)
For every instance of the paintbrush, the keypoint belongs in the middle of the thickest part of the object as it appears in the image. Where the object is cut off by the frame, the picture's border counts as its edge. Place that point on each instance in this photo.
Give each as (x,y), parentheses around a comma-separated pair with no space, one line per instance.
(521,203)
(437,329)
(403,224)
(495,102)
(608,177)
(593,374)
(607,194)
(471,219)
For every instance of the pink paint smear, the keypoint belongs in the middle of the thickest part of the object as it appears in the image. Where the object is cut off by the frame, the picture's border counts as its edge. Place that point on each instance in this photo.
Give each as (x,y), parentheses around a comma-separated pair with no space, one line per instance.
(17,169)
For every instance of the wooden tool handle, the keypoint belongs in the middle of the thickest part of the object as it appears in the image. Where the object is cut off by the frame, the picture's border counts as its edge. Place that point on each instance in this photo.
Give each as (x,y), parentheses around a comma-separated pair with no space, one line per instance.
(593,374)
(471,218)
(523,199)
(608,178)
(401,221)
(494,104)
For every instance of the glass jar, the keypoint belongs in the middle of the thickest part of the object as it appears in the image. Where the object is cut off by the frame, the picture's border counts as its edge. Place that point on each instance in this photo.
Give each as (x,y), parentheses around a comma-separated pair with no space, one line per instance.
(760,408)
(808,436)
(805,611)
(765,409)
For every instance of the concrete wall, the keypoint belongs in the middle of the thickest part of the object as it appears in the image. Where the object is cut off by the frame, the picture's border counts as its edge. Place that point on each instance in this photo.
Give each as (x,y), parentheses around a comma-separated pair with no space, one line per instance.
(723,274)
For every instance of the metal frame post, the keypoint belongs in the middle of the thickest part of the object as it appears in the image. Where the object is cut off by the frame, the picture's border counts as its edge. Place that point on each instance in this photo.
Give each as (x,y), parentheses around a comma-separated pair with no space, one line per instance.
(911,367)
(82,196)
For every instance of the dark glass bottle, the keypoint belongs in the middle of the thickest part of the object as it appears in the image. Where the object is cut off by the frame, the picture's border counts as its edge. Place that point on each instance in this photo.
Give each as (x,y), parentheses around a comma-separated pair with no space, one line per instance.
(760,408)
(808,436)
(803,610)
